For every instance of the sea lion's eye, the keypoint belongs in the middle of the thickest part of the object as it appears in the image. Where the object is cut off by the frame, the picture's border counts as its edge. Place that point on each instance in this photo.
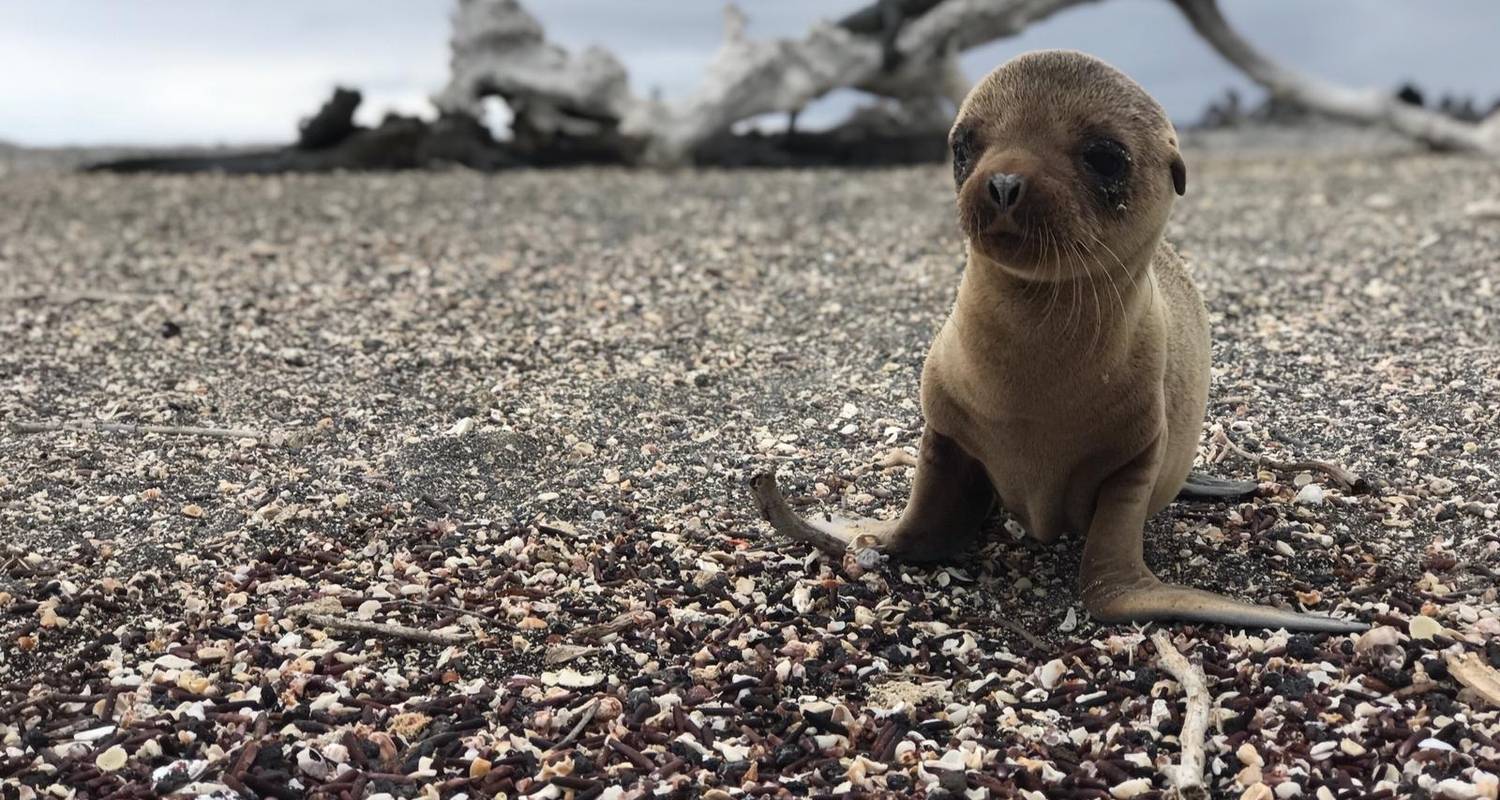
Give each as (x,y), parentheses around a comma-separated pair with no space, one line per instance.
(1106,158)
(963,156)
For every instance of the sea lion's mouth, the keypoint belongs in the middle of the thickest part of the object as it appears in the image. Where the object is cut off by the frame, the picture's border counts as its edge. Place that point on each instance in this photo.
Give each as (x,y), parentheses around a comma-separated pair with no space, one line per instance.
(1004,230)
(1007,237)
(1022,250)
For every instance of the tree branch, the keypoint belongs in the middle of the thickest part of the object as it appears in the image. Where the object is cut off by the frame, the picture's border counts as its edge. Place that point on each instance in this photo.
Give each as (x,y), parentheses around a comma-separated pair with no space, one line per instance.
(748,78)
(1366,106)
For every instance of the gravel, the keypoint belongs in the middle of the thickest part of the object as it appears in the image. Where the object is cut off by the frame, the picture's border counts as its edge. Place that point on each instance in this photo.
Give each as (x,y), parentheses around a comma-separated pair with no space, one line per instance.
(515,414)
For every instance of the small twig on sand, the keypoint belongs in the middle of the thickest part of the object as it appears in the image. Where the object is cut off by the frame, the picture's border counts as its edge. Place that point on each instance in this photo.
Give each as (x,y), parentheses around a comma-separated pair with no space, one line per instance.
(233,778)
(1186,779)
(629,619)
(440,608)
(1347,481)
(1376,588)
(10,711)
(588,716)
(139,430)
(1021,632)
(84,296)
(642,761)
(1415,689)
(381,628)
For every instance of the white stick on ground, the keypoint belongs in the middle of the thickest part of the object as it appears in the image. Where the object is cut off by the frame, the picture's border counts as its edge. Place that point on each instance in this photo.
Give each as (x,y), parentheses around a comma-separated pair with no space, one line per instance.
(588,716)
(1186,778)
(383,629)
(120,427)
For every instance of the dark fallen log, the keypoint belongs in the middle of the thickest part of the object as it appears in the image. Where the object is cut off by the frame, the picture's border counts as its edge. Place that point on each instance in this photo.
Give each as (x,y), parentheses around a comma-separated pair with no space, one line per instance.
(832,148)
(395,145)
(870,137)
(333,123)
(329,141)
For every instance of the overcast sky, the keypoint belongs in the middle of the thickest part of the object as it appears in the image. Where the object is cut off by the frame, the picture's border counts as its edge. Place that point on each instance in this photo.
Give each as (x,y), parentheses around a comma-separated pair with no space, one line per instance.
(231,72)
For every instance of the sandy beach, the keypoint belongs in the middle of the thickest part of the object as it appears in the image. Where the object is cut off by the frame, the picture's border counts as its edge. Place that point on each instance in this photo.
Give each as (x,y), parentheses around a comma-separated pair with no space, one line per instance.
(516,413)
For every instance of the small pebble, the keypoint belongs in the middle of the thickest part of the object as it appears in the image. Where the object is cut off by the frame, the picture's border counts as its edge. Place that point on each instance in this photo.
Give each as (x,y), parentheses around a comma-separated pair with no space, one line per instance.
(1249,756)
(1309,495)
(1423,627)
(1258,791)
(112,759)
(1134,787)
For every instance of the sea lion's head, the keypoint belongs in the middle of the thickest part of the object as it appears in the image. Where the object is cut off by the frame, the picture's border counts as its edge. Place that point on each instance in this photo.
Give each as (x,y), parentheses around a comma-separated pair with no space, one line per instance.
(1061,162)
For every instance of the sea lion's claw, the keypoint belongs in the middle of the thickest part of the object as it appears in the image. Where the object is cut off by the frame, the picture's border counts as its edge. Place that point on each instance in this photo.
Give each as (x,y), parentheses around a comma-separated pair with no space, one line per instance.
(1202,486)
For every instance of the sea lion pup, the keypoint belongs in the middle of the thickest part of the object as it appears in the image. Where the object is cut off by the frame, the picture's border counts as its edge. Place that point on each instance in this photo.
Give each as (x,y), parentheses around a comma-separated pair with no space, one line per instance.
(1072,376)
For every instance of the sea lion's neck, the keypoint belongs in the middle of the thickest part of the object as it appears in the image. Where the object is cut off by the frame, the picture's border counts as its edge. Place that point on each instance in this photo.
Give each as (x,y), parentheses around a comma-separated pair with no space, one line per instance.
(1080,317)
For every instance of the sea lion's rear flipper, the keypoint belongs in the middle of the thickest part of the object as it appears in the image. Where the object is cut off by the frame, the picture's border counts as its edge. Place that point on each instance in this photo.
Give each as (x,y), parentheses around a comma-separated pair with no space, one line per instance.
(950,497)
(1117,586)
(1202,486)
(1151,600)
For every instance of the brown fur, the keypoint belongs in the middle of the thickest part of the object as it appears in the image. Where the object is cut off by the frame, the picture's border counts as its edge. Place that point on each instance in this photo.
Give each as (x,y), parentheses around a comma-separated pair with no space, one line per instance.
(1072,376)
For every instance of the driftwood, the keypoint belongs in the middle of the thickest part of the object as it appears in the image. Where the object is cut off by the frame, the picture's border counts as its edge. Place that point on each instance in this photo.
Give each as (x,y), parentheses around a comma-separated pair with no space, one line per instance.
(572,108)
(875,136)
(326,145)
(1365,106)
(321,613)
(384,629)
(333,123)
(1185,778)
(902,49)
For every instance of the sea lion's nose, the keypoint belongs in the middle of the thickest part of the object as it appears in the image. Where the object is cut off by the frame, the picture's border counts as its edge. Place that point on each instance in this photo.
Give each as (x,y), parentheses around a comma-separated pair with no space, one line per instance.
(1006,191)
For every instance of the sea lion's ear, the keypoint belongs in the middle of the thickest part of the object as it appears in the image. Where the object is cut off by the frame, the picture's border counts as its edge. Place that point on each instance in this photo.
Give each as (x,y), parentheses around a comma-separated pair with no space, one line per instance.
(1179,174)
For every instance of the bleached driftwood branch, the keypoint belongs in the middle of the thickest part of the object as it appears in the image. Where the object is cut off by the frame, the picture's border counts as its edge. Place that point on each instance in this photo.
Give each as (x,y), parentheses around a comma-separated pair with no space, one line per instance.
(902,49)
(747,78)
(498,48)
(1186,778)
(1365,106)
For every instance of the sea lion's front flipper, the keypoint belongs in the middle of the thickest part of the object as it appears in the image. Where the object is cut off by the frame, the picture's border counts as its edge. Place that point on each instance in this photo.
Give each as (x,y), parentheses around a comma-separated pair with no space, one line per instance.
(950,497)
(1118,587)
(1202,486)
